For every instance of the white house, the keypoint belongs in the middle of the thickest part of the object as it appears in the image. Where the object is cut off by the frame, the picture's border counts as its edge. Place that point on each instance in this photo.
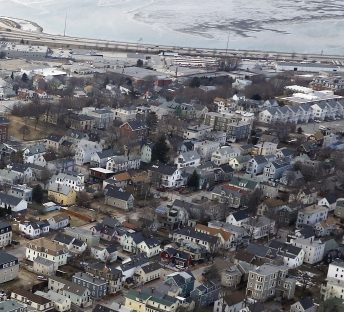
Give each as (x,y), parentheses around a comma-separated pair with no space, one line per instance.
(5,233)
(274,170)
(260,226)
(146,152)
(74,181)
(265,148)
(84,151)
(123,163)
(197,132)
(256,165)
(311,215)
(292,256)
(329,201)
(17,205)
(34,153)
(334,287)
(137,243)
(238,218)
(166,176)
(187,159)
(314,249)
(222,155)
(206,148)
(34,229)
(45,248)
(104,254)
(59,221)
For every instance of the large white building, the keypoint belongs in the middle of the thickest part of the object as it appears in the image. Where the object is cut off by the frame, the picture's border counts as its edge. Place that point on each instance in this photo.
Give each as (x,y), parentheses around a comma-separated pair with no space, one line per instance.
(223,154)
(334,287)
(311,215)
(74,181)
(314,249)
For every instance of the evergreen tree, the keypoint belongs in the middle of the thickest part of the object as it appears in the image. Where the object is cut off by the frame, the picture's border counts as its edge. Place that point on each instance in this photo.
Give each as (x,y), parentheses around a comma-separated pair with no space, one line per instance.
(25,78)
(37,194)
(193,180)
(160,150)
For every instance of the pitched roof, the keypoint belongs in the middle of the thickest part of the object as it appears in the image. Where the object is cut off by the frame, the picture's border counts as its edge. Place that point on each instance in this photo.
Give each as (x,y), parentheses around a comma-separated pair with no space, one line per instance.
(63,238)
(55,137)
(164,169)
(151,267)
(214,231)
(9,199)
(32,297)
(241,215)
(117,193)
(190,232)
(6,258)
(306,303)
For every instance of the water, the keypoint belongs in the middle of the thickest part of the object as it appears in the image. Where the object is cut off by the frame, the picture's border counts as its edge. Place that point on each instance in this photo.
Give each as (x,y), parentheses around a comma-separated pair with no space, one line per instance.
(271,25)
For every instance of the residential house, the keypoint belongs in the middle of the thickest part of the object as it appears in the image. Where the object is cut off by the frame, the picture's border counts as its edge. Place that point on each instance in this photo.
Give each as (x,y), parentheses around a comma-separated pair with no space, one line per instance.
(129,266)
(103,117)
(79,295)
(305,304)
(9,267)
(34,229)
(118,198)
(329,201)
(166,176)
(137,243)
(274,169)
(314,249)
(100,159)
(231,276)
(36,302)
(81,122)
(15,204)
(71,243)
(209,242)
(184,281)
(147,273)
(206,148)
(74,181)
(85,235)
(108,273)
(150,301)
(44,266)
(134,130)
(226,238)
(311,215)
(257,164)
(292,256)
(224,154)
(22,173)
(197,132)
(334,287)
(238,218)
(60,302)
(187,159)
(339,210)
(205,294)
(21,191)
(265,149)
(176,257)
(105,254)
(146,152)
(124,113)
(268,281)
(54,141)
(239,163)
(59,221)
(233,303)
(45,248)
(84,151)
(34,154)
(96,286)
(123,163)
(108,229)
(62,194)
(260,226)
(5,233)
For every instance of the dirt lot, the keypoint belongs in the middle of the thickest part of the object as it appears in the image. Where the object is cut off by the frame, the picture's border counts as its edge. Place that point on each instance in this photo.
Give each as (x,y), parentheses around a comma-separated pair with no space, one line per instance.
(25,280)
(38,132)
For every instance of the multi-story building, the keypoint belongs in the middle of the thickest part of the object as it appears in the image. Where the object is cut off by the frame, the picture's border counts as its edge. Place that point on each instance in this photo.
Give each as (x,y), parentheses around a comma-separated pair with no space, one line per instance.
(314,249)
(45,248)
(36,302)
(222,155)
(311,215)
(9,267)
(334,287)
(269,281)
(97,286)
(187,159)
(5,233)
(12,306)
(205,294)
(123,163)
(4,124)
(102,117)
(197,132)
(74,181)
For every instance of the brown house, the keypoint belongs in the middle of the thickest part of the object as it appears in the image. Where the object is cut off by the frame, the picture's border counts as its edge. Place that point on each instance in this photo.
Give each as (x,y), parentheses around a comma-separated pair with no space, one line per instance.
(134,130)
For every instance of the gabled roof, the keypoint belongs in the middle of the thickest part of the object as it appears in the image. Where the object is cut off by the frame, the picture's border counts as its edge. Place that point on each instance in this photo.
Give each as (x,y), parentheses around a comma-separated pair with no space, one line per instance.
(151,267)
(115,192)
(63,238)
(164,169)
(241,215)
(9,199)
(55,137)
(190,232)
(306,303)
(135,125)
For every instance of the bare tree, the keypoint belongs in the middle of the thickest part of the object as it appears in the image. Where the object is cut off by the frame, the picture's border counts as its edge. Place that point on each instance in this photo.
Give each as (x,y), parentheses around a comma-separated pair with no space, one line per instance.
(24,130)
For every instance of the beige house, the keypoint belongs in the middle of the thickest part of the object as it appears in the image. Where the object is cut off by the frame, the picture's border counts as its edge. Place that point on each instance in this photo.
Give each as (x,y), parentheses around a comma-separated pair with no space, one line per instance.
(44,266)
(147,273)
(36,302)
(9,267)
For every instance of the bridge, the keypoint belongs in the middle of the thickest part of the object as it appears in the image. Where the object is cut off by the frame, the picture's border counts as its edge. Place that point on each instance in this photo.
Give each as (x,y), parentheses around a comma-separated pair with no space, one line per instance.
(9,32)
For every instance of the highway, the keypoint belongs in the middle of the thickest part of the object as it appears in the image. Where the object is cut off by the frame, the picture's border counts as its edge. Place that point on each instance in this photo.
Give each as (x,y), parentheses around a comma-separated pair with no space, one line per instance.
(12,34)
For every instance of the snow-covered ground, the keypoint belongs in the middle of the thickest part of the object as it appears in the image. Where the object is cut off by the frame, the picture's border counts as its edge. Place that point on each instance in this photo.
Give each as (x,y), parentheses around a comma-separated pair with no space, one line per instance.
(26,25)
(294,25)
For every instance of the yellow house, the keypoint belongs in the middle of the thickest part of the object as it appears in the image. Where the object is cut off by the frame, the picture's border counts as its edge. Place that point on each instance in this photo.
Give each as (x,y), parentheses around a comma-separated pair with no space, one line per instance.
(62,194)
(140,301)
